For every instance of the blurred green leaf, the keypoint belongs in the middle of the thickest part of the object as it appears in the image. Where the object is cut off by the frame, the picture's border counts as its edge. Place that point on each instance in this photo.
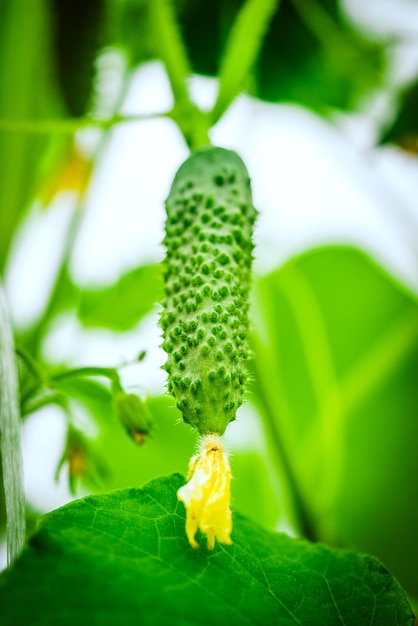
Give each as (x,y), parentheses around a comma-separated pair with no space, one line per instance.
(336,356)
(130,29)
(25,94)
(253,492)
(311,54)
(404,128)
(121,306)
(129,555)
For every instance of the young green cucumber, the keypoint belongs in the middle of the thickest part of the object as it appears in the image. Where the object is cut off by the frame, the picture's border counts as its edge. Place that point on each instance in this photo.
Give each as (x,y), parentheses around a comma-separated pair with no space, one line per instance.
(210,218)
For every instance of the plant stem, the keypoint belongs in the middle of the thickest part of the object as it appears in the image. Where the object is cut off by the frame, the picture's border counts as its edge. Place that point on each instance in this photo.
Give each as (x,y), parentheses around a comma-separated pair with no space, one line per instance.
(244,43)
(30,363)
(10,437)
(192,122)
(81,372)
(30,401)
(30,406)
(171,48)
(70,126)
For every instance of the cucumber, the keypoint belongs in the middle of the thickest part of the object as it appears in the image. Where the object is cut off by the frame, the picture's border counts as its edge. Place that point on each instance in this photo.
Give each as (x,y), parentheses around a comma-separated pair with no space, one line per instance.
(209,227)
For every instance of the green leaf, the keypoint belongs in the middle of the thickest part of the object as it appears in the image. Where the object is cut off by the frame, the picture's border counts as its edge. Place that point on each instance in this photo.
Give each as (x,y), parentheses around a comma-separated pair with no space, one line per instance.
(311,54)
(336,355)
(244,42)
(121,306)
(129,23)
(314,56)
(123,558)
(404,127)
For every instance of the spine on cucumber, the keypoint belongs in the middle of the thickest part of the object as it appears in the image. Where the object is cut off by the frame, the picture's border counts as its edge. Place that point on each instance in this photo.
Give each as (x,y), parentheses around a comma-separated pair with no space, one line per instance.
(210,218)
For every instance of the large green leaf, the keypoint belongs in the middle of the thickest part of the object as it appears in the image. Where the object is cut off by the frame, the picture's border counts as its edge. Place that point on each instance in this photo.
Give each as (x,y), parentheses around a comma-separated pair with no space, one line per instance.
(123,558)
(336,356)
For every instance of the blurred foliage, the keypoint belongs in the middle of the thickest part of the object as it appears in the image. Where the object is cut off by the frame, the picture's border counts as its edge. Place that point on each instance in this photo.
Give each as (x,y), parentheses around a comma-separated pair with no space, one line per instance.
(136,293)
(335,362)
(78,33)
(403,130)
(311,55)
(129,21)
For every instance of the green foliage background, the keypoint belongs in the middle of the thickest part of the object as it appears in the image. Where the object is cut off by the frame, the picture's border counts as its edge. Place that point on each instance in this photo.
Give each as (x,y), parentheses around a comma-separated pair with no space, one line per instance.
(335,338)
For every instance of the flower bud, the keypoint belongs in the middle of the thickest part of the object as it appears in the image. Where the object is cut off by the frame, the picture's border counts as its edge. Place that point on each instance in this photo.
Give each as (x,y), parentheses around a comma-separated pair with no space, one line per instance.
(133,415)
(83,462)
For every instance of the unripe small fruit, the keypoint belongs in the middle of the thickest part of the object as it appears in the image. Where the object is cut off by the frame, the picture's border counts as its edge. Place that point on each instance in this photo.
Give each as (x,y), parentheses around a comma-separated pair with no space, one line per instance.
(210,218)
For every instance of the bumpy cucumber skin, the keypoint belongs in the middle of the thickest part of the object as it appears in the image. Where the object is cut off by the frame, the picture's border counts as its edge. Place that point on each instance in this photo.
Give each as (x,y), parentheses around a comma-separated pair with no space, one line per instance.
(210,218)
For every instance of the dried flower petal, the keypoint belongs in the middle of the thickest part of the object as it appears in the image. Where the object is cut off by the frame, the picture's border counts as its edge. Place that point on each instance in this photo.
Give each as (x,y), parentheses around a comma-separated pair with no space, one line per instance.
(206,495)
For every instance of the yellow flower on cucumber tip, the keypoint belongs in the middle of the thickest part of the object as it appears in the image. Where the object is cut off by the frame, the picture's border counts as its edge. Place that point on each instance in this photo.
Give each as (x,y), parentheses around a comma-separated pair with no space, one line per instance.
(207,495)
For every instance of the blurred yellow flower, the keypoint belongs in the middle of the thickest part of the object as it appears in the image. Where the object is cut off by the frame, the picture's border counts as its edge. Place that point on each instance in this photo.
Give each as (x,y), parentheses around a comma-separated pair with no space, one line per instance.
(206,495)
